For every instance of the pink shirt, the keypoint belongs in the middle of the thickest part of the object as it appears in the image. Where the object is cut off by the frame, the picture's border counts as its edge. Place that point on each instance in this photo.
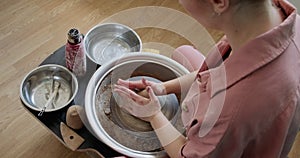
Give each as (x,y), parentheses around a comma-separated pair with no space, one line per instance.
(254,94)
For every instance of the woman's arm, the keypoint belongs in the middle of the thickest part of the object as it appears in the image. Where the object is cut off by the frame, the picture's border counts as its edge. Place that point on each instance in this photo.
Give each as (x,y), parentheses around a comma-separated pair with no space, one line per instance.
(180,85)
(169,137)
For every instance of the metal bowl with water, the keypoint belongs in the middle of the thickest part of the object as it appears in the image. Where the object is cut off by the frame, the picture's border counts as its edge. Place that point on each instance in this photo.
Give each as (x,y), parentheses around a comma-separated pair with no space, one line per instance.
(39,86)
(110,40)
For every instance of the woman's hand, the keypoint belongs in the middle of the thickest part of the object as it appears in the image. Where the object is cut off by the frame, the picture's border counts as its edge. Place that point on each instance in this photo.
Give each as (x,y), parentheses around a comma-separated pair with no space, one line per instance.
(140,85)
(136,105)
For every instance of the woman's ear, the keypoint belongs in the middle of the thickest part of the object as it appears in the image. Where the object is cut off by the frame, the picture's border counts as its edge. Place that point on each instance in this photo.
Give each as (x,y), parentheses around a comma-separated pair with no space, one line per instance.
(219,6)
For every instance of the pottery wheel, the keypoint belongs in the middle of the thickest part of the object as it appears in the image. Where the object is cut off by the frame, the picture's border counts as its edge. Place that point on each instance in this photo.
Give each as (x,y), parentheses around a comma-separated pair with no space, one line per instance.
(126,129)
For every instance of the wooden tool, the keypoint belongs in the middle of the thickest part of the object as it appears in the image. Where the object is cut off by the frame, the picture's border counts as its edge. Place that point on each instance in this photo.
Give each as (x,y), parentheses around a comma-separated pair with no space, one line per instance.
(71,138)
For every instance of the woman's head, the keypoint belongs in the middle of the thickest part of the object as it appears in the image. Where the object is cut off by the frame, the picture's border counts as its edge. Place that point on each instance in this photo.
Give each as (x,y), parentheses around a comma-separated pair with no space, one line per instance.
(210,13)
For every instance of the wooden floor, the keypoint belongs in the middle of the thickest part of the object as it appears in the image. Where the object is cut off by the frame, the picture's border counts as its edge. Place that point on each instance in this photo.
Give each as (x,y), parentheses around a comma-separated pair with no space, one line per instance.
(30,30)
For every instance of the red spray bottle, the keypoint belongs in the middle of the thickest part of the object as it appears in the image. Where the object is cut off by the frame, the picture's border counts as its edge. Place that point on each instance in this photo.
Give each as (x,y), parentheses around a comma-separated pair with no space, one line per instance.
(74,53)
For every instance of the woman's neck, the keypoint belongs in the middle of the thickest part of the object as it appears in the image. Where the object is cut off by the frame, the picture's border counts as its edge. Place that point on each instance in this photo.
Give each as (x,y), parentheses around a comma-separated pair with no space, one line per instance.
(249,22)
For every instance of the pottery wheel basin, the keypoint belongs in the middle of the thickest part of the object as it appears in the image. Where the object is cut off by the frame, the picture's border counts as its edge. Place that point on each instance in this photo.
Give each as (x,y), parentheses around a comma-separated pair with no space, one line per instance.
(115,126)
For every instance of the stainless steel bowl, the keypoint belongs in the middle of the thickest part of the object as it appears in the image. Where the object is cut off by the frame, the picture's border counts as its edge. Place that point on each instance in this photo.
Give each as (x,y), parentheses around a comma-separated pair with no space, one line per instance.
(38,85)
(115,127)
(107,41)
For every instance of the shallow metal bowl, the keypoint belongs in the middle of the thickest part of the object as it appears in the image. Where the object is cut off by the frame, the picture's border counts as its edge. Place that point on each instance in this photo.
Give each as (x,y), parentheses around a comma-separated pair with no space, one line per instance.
(38,85)
(107,41)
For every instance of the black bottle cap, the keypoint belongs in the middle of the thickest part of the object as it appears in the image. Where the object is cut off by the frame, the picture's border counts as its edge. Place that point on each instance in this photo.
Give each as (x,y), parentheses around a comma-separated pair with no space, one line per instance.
(74,36)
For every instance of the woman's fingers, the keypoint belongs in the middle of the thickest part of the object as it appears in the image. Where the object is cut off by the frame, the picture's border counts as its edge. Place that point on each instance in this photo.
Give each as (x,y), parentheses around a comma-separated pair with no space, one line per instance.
(120,91)
(124,101)
(129,93)
(131,84)
(145,82)
(135,104)
(126,91)
(151,94)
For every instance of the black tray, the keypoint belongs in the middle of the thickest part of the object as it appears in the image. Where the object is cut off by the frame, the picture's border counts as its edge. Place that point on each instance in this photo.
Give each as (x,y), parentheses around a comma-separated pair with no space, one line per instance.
(52,120)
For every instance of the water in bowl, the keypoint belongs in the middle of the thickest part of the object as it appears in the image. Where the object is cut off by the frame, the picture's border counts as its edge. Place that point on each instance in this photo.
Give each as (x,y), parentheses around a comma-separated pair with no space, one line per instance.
(107,49)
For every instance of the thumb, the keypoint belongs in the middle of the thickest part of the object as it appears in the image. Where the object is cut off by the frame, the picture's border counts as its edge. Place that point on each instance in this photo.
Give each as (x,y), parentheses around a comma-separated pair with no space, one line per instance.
(151,94)
(145,82)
